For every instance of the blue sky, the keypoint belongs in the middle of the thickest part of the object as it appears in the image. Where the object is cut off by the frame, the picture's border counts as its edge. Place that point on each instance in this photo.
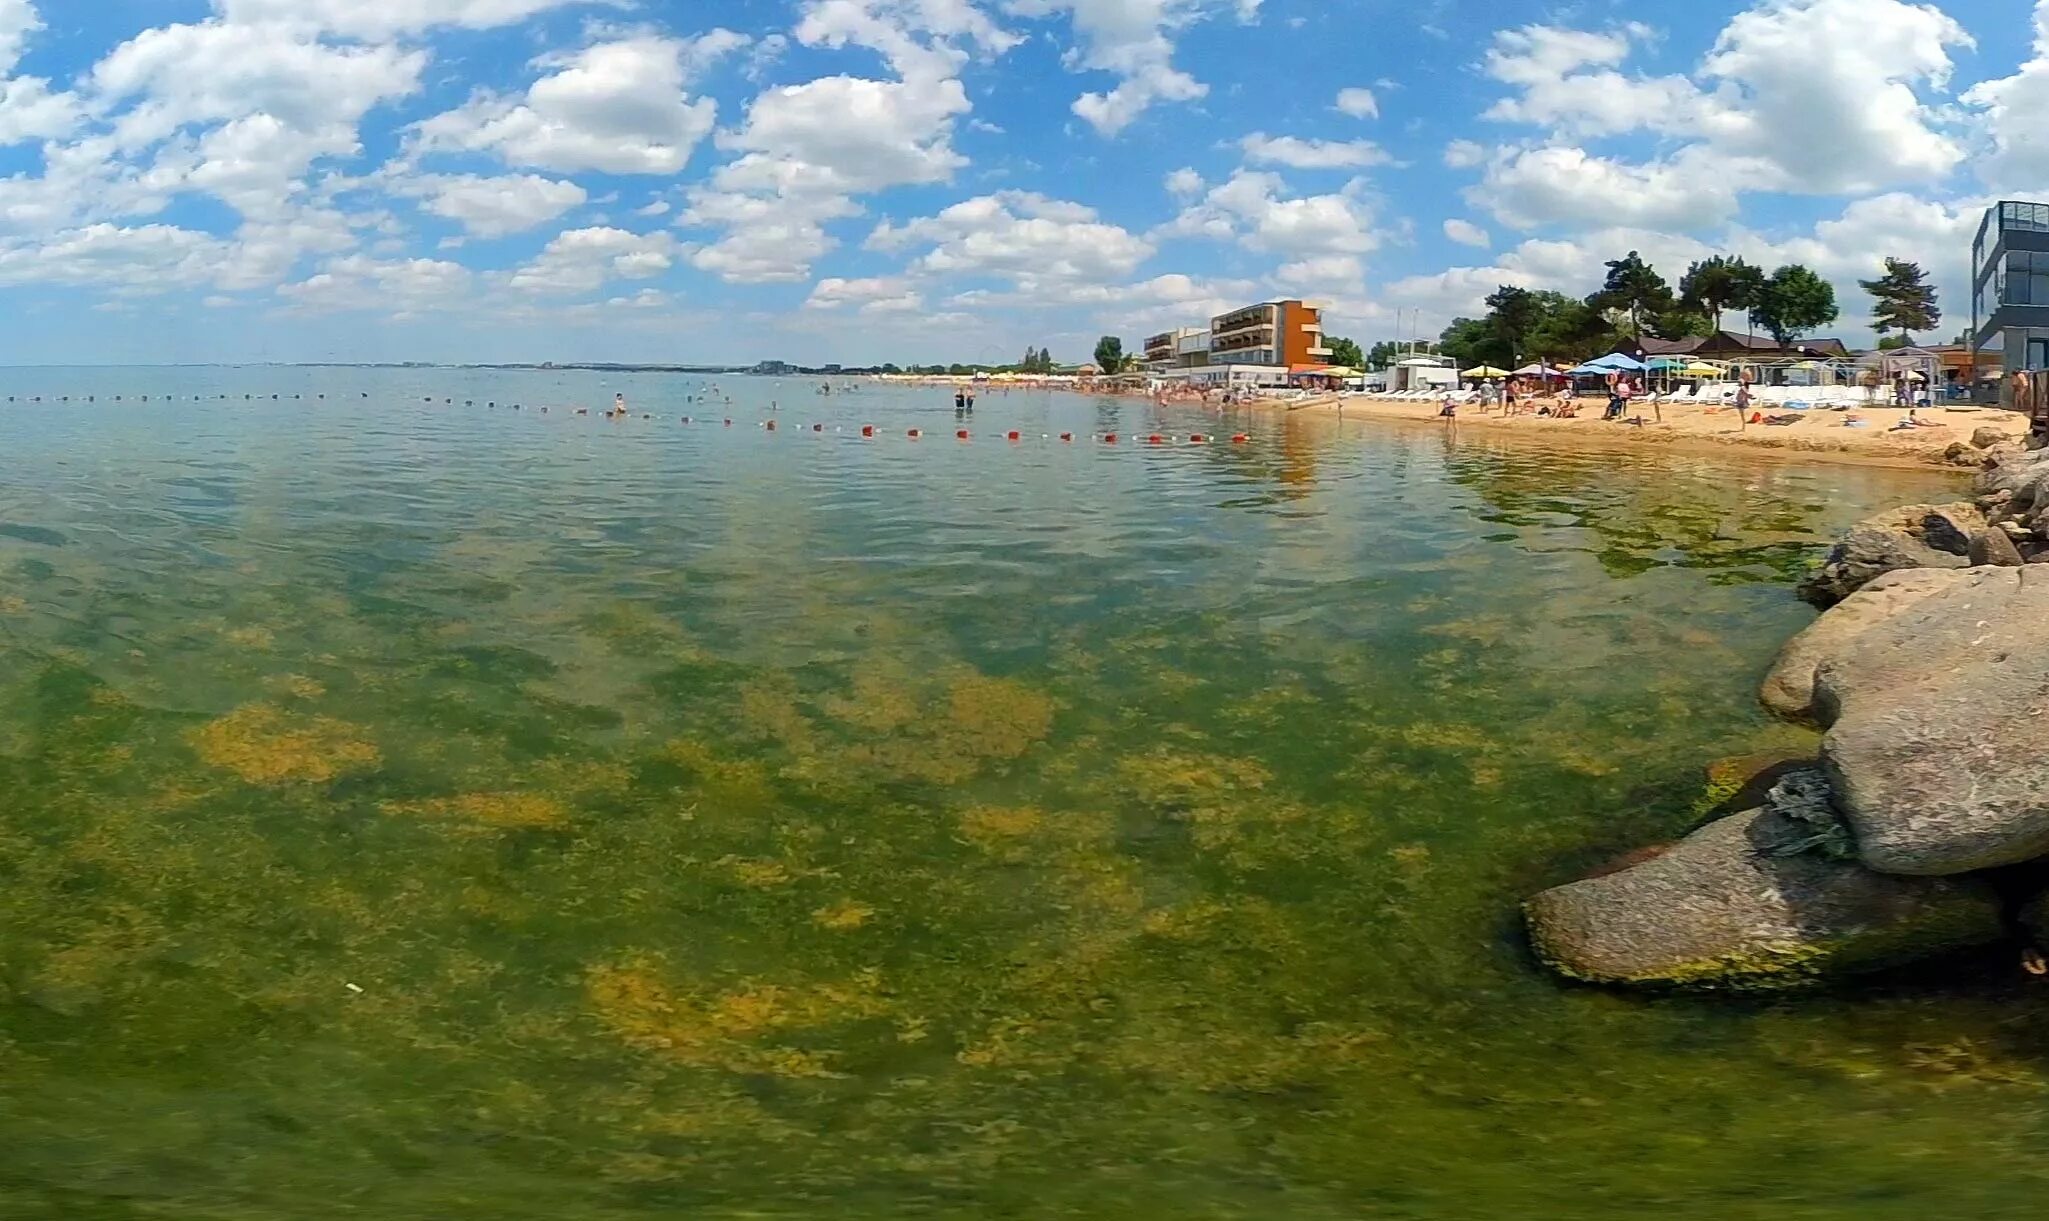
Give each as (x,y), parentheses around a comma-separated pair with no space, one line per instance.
(869,180)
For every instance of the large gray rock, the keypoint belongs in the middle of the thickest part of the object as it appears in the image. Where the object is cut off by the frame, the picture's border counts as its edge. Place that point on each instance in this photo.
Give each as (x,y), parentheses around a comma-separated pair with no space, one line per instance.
(1789,689)
(1938,727)
(1918,536)
(1995,547)
(2018,473)
(1747,903)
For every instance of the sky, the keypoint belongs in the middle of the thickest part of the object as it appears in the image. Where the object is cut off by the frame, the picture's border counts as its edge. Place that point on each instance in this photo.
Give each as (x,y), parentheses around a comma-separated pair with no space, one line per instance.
(862,181)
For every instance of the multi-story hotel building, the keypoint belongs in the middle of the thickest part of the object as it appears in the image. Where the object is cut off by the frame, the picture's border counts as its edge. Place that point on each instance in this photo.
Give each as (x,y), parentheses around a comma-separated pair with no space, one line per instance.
(2010,288)
(1186,348)
(1287,334)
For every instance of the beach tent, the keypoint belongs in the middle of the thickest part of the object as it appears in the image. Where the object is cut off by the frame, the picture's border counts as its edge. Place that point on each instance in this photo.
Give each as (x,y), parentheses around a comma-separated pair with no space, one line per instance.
(1618,362)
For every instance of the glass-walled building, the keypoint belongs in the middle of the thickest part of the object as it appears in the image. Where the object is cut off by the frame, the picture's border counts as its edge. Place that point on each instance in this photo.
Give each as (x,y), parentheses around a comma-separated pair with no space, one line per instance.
(2010,286)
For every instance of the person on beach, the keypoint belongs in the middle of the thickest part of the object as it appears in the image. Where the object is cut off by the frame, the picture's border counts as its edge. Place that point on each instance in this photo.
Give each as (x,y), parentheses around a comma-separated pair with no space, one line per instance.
(1510,393)
(1450,409)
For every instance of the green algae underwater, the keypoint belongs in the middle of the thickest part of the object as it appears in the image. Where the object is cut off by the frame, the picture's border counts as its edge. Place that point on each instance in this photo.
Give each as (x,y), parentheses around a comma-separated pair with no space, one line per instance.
(447,812)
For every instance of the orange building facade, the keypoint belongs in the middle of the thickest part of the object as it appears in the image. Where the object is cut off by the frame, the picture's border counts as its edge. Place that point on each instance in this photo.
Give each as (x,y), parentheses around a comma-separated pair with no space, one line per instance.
(1286,334)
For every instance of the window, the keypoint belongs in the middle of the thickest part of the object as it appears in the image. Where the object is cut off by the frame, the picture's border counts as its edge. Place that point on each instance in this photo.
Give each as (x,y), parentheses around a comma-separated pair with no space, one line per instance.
(2038,354)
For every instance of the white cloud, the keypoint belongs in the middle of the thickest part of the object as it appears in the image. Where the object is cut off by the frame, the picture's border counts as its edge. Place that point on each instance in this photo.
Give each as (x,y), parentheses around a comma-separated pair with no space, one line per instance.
(378,19)
(1466,233)
(2012,109)
(619,107)
(879,295)
(807,150)
(18,20)
(1296,153)
(1464,155)
(1805,96)
(1565,185)
(1358,103)
(584,260)
(1131,39)
(1254,210)
(495,207)
(402,287)
(1184,183)
(147,257)
(1020,236)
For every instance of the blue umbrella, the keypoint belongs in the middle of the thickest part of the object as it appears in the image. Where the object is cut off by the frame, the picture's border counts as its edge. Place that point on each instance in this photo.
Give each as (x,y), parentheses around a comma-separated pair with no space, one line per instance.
(1616,360)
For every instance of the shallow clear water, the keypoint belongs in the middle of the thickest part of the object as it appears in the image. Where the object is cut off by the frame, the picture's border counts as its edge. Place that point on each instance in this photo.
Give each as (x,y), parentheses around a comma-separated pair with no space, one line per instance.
(438,810)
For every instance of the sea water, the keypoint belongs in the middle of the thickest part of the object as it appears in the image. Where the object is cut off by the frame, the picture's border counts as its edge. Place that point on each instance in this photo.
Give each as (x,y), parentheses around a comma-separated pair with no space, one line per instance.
(413,807)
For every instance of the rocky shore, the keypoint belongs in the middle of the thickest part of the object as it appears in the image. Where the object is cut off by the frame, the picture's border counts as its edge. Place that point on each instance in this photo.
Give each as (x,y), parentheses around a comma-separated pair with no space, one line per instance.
(1899,841)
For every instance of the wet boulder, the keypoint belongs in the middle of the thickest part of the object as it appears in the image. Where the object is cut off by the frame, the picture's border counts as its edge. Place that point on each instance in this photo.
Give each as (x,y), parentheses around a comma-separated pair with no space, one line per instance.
(1789,688)
(1918,536)
(1753,902)
(1938,727)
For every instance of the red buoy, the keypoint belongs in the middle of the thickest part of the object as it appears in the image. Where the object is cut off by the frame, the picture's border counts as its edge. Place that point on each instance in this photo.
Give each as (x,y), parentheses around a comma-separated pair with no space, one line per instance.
(867,430)
(770,425)
(1240,439)
(1013,436)
(1155,439)
(729,423)
(1109,438)
(914,434)
(1198,438)
(1067,436)
(962,434)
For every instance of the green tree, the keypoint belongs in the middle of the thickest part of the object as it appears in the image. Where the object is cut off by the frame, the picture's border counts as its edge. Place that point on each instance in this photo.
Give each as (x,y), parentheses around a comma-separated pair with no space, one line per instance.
(1383,355)
(1110,354)
(1888,342)
(1680,322)
(1714,285)
(1634,289)
(1903,300)
(1345,353)
(1570,330)
(1469,342)
(1513,313)
(1793,302)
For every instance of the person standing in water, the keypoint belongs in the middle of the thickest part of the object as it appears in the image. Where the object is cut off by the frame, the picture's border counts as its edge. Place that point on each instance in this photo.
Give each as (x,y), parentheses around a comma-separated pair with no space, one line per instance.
(960,400)
(618,404)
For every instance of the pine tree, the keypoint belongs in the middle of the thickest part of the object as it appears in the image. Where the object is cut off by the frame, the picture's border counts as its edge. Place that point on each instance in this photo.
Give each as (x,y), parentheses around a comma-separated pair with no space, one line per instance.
(1635,290)
(1717,284)
(1903,300)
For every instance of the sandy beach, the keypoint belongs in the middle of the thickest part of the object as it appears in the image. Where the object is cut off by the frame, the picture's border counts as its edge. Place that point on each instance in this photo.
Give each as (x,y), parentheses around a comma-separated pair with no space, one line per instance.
(1819,435)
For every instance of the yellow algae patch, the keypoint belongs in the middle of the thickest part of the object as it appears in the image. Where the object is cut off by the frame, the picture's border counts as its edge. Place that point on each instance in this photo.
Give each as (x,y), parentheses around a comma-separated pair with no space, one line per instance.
(768,709)
(996,718)
(880,700)
(11,605)
(726,782)
(845,914)
(263,744)
(758,874)
(1171,777)
(485,811)
(259,638)
(989,825)
(728,1030)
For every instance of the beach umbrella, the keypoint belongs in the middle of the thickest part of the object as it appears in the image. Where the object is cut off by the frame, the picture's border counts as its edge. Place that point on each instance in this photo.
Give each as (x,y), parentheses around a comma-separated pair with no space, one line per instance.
(1667,362)
(1334,371)
(1701,369)
(1616,360)
(1484,372)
